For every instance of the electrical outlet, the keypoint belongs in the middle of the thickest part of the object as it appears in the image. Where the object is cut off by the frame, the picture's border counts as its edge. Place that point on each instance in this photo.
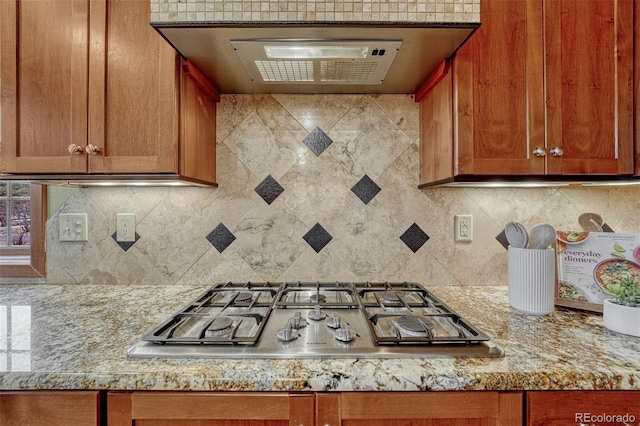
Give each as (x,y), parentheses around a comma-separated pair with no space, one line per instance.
(72,227)
(125,227)
(463,227)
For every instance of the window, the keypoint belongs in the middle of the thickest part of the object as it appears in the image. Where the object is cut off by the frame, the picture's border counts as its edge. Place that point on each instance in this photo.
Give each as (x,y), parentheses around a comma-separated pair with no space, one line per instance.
(21,229)
(15,338)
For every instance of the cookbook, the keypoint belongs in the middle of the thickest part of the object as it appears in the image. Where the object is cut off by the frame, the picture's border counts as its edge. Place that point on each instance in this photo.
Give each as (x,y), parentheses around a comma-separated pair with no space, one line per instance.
(588,262)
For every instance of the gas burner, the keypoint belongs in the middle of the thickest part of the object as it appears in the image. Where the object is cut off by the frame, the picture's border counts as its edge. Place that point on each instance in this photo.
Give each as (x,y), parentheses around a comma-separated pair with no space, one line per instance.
(391,297)
(316,314)
(334,321)
(414,324)
(219,326)
(318,298)
(243,296)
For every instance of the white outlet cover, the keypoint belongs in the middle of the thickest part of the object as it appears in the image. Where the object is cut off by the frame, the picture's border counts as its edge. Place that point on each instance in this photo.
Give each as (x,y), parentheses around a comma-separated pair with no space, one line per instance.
(463,228)
(73,227)
(125,227)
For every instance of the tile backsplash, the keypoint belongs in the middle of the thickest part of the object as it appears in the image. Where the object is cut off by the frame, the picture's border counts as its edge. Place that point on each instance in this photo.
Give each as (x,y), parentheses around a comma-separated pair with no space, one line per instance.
(313,187)
(368,11)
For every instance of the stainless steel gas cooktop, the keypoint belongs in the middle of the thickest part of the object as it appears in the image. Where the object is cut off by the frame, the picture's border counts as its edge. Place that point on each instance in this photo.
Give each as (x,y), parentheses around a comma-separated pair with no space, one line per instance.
(315,320)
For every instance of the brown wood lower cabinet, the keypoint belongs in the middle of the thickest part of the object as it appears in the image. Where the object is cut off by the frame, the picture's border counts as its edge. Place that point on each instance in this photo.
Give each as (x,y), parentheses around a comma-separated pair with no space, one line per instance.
(334,409)
(50,408)
(559,408)
(210,409)
(419,409)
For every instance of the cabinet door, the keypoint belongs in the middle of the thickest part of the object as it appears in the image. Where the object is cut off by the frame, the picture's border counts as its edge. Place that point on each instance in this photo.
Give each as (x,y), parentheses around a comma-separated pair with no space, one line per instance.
(636,32)
(50,408)
(44,85)
(589,80)
(198,100)
(419,408)
(558,408)
(498,76)
(209,409)
(133,96)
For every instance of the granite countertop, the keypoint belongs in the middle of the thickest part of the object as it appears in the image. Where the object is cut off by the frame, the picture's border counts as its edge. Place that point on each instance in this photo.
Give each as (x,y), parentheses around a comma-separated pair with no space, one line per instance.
(75,337)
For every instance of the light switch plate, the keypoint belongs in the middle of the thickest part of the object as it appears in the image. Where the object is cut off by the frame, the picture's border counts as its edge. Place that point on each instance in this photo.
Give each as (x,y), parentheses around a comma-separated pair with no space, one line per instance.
(73,227)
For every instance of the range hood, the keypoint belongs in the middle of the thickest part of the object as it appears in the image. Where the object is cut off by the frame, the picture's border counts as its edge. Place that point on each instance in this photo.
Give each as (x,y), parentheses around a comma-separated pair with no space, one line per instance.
(289,51)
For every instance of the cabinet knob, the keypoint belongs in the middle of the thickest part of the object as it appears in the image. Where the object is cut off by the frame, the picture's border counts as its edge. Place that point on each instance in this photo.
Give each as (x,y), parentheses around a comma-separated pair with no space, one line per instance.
(75,149)
(557,151)
(540,151)
(92,149)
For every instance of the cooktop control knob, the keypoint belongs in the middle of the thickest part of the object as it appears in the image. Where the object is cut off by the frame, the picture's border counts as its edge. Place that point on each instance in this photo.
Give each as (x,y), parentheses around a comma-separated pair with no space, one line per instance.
(343,334)
(334,321)
(316,314)
(287,334)
(297,321)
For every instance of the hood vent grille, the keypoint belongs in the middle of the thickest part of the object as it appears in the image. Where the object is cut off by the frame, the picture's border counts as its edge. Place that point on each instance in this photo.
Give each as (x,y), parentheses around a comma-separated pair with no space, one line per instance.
(317,61)
(279,71)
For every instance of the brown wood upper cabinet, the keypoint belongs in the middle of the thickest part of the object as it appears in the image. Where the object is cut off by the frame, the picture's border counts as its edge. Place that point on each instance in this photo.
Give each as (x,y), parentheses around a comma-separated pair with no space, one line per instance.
(90,87)
(543,87)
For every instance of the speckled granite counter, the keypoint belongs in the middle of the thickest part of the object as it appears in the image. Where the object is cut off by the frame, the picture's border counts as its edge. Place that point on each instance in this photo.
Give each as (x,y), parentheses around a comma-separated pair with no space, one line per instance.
(75,337)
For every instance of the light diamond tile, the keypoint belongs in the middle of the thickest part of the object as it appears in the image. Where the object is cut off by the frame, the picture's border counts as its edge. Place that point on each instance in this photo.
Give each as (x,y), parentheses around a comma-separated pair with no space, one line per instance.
(366,141)
(268,239)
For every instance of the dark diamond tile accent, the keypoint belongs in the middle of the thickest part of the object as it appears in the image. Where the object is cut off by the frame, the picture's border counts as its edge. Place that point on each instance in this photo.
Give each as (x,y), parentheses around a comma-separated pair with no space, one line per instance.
(414,237)
(221,238)
(317,237)
(125,245)
(502,239)
(269,189)
(366,189)
(606,228)
(317,141)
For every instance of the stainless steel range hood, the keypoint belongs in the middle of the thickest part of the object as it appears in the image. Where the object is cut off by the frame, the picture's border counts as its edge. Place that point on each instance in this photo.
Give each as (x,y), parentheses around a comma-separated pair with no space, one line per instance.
(384,57)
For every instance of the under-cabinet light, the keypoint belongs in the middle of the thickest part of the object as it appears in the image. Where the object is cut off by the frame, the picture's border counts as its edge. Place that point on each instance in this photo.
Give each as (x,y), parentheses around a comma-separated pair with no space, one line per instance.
(540,184)
(613,183)
(316,52)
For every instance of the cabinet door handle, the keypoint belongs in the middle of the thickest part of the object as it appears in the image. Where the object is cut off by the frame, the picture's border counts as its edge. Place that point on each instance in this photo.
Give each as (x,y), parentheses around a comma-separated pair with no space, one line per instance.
(557,151)
(540,151)
(92,149)
(75,149)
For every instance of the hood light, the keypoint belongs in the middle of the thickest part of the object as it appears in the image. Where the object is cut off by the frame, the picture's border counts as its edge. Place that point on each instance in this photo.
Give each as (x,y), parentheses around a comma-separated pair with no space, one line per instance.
(316,52)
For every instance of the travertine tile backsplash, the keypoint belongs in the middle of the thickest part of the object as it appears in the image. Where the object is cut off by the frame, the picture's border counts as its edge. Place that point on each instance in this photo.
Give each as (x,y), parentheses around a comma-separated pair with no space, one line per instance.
(337,199)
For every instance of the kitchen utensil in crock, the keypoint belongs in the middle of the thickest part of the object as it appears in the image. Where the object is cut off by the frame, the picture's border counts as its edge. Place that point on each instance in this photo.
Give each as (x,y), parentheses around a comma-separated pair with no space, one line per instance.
(541,236)
(591,222)
(516,234)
